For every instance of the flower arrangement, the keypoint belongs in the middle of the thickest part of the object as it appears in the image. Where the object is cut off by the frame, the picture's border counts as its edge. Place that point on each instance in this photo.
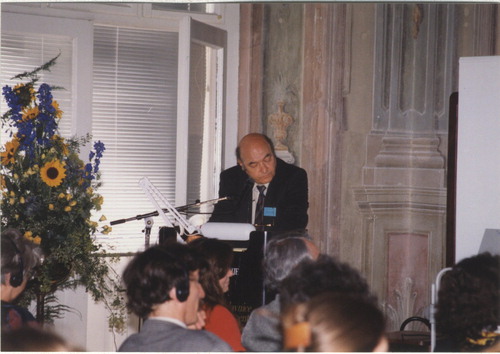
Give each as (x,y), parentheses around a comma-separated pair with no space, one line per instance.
(50,194)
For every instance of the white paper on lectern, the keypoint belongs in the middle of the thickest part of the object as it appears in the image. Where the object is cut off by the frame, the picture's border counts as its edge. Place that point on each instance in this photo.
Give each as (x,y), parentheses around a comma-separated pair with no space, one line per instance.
(227,231)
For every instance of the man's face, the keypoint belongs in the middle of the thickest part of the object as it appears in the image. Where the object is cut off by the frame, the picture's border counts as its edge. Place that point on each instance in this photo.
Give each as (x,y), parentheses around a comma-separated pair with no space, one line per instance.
(196,293)
(257,160)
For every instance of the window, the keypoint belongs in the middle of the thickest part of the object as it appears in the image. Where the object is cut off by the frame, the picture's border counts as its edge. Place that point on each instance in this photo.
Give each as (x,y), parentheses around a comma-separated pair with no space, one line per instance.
(159,116)
(135,115)
(23,52)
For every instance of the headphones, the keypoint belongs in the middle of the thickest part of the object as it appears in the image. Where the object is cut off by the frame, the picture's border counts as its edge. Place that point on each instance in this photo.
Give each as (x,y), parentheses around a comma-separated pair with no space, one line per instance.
(182,287)
(16,279)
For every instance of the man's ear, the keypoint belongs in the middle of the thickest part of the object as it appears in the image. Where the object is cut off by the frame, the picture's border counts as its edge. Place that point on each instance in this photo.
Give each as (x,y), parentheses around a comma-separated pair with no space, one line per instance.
(240,163)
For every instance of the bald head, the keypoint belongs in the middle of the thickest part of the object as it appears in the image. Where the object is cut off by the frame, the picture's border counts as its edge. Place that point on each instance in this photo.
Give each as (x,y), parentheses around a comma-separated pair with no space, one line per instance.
(255,154)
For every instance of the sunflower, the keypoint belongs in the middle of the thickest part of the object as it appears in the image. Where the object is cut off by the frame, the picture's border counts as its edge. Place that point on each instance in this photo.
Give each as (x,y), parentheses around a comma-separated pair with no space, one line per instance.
(7,156)
(30,113)
(53,173)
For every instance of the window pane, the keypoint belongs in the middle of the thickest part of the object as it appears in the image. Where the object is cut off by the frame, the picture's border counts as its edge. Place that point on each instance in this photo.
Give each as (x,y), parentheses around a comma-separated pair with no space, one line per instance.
(134,114)
(189,7)
(22,52)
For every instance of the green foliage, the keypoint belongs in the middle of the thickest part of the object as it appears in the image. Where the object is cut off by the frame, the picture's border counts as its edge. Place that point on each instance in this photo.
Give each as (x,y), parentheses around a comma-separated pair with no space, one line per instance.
(50,195)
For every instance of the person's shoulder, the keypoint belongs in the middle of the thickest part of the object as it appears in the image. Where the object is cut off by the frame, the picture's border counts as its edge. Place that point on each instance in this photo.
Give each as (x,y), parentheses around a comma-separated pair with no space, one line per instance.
(174,338)
(221,313)
(208,341)
(288,166)
(284,169)
(220,310)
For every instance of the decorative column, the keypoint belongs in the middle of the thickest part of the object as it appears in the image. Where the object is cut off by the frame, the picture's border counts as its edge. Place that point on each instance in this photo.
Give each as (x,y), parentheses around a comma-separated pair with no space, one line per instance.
(403,196)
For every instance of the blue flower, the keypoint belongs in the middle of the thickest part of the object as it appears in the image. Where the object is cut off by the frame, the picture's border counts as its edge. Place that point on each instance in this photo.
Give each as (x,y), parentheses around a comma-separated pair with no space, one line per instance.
(99,148)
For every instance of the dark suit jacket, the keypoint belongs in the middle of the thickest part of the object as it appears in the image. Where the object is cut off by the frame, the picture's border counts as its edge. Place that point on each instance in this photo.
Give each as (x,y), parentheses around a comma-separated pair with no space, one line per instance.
(163,336)
(287,193)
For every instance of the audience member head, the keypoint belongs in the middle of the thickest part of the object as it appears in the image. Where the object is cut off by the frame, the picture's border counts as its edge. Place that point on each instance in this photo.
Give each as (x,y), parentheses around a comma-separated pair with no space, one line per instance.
(19,257)
(256,156)
(283,253)
(335,322)
(468,308)
(215,280)
(311,278)
(34,339)
(165,278)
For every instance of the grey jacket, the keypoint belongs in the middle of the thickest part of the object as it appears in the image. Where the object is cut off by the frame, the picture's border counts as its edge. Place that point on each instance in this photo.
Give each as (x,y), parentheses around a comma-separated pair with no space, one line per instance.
(163,336)
(262,331)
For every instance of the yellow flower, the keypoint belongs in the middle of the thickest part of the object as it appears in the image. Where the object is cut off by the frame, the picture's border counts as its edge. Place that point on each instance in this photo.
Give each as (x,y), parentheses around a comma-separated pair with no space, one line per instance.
(37,240)
(98,200)
(61,195)
(92,223)
(90,190)
(53,173)
(60,142)
(72,203)
(106,229)
(28,234)
(68,208)
(7,156)
(68,196)
(51,206)
(58,113)
(12,201)
(31,171)
(21,200)
(30,113)
(12,194)
(103,218)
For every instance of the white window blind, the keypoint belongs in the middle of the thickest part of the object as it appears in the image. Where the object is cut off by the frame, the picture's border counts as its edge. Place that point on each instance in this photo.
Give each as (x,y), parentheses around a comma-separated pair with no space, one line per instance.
(134,114)
(24,52)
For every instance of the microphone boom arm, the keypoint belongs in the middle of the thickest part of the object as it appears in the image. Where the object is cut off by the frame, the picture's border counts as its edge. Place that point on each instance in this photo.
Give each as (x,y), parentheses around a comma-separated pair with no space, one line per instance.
(156,197)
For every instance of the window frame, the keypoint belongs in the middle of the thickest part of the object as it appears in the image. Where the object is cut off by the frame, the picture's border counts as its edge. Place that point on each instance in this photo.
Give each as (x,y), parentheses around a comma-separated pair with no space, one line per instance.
(52,19)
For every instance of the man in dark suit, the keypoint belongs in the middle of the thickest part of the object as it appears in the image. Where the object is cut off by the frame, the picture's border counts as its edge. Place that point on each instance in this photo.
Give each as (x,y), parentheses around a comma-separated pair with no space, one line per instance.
(285,194)
(162,285)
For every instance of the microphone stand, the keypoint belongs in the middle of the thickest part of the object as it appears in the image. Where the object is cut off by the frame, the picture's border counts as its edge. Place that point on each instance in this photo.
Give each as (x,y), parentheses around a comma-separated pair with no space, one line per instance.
(147,231)
(155,213)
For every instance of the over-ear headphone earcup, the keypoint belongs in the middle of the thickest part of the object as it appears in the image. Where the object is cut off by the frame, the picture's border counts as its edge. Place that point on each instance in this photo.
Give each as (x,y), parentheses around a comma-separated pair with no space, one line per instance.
(182,289)
(16,279)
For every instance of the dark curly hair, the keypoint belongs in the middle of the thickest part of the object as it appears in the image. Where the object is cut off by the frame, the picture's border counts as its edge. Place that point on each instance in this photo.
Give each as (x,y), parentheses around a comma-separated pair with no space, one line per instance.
(219,257)
(151,274)
(469,302)
(311,278)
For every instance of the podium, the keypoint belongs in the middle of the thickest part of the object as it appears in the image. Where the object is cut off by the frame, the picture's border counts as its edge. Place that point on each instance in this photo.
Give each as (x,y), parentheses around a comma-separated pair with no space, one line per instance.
(246,288)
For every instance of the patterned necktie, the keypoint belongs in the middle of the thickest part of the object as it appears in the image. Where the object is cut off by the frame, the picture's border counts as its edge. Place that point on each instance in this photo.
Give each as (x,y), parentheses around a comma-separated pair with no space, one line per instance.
(259,209)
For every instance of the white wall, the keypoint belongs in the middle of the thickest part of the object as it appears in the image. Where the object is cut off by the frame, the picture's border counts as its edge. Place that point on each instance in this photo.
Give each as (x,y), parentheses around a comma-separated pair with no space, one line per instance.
(478,153)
